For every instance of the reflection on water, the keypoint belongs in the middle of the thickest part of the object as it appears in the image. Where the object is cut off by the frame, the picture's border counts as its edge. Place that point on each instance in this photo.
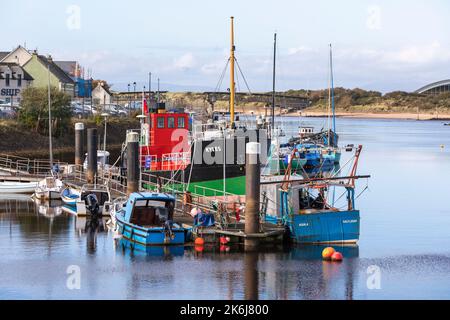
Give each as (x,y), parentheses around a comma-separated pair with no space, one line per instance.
(38,241)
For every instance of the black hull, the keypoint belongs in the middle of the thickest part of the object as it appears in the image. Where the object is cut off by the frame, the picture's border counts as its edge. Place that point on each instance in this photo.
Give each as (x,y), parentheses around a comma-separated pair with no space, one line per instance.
(207,158)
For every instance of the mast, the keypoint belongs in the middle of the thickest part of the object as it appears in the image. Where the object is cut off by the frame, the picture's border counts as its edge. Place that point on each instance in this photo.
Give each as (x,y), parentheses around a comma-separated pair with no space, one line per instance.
(273,79)
(332,91)
(329,106)
(232,85)
(49,119)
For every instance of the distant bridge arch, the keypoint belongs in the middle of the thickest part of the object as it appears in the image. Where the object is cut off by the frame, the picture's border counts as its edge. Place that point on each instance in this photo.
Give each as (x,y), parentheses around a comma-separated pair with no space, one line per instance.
(435,87)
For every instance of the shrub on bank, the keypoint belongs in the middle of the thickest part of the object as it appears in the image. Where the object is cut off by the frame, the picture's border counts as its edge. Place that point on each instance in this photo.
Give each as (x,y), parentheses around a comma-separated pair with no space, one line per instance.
(33,113)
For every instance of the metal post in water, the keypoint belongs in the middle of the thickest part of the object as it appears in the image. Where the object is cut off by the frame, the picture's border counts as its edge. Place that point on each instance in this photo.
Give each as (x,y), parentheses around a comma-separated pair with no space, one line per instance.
(79,143)
(92,155)
(132,162)
(252,191)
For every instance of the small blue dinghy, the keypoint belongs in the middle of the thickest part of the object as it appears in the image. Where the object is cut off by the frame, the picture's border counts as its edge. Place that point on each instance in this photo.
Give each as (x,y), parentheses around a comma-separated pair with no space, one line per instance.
(146,219)
(70,196)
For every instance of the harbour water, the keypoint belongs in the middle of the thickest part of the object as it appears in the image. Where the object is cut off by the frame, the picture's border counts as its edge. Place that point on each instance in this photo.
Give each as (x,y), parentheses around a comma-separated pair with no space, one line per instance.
(403,252)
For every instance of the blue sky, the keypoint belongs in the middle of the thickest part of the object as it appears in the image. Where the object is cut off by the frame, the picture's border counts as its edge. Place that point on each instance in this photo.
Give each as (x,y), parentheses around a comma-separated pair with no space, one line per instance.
(379,45)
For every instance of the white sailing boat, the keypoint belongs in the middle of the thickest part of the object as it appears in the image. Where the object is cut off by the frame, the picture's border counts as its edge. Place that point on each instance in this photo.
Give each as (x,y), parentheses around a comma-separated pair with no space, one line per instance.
(50,187)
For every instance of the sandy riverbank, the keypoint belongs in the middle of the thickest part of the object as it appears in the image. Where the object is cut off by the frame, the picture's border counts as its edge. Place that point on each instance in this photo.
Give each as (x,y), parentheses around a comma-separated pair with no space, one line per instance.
(360,115)
(364,115)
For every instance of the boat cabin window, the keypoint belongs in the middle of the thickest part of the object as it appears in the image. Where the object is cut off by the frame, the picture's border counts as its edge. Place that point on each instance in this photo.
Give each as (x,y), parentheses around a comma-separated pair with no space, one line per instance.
(181,123)
(151,213)
(160,123)
(171,122)
(310,201)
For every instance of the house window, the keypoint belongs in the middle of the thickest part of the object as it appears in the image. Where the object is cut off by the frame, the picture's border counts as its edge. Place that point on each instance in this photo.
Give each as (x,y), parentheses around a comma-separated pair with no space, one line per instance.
(19,80)
(7,80)
(170,122)
(160,122)
(180,122)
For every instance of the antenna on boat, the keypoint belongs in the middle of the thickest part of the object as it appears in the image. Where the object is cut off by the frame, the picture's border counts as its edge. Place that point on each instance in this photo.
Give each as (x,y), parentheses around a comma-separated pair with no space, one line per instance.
(232,84)
(332,90)
(273,79)
(49,119)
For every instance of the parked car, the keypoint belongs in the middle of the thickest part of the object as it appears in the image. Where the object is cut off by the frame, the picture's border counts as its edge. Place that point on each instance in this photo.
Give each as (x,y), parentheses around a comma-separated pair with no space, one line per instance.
(133,105)
(78,109)
(111,109)
(8,112)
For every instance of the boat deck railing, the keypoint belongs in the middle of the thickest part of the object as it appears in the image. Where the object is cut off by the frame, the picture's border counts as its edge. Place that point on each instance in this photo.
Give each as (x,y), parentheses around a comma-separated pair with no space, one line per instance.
(205,198)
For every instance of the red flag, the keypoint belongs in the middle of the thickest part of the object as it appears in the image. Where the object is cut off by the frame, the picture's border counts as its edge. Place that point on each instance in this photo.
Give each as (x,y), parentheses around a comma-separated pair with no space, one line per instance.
(144,105)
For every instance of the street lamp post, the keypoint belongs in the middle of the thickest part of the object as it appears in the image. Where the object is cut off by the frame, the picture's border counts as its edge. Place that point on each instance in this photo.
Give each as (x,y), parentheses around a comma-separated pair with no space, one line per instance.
(149,88)
(129,101)
(104,115)
(134,90)
(157,97)
(143,98)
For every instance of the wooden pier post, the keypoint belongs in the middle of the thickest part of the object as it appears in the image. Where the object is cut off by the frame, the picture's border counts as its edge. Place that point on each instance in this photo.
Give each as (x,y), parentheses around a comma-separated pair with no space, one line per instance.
(92,155)
(252,193)
(79,143)
(132,162)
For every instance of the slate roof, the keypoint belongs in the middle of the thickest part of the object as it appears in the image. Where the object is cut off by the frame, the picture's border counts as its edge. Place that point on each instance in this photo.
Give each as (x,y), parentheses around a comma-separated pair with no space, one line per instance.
(57,71)
(26,75)
(67,66)
(3,54)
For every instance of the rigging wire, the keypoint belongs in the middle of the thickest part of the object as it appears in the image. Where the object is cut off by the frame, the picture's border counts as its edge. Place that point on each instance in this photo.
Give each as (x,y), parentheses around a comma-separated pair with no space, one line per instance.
(222,76)
(243,77)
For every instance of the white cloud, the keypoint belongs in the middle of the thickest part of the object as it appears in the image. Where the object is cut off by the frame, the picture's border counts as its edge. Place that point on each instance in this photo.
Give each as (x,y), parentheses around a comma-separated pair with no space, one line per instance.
(185,62)
(433,52)
(301,49)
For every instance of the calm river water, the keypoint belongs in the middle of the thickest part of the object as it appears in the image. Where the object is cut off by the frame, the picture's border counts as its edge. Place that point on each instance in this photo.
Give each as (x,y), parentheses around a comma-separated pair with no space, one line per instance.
(403,253)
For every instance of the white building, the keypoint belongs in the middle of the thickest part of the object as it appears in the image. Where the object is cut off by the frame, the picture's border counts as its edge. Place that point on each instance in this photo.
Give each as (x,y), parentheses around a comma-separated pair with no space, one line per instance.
(101,95)
(19,56)
(13,79)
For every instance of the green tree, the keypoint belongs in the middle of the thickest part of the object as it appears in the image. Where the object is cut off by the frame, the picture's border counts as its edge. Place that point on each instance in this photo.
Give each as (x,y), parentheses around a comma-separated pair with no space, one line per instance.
(33,111)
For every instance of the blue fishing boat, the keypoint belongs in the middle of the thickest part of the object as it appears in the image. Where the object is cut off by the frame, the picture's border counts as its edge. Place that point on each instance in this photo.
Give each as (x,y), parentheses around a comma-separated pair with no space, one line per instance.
(303,207)
(146,219)
(70,196)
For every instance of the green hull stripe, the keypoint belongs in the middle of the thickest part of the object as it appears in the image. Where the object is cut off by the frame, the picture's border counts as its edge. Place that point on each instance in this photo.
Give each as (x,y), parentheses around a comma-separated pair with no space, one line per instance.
(234,186)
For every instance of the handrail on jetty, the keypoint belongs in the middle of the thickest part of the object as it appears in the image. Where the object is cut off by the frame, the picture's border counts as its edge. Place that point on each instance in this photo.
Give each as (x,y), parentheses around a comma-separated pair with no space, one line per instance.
(20,166)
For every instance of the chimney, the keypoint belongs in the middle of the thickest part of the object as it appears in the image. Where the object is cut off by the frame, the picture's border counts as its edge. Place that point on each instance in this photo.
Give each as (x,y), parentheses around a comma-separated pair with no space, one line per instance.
(49,58)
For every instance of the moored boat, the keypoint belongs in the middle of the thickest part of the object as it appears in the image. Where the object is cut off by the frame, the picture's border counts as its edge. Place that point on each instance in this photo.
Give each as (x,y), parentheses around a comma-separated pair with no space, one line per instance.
(74,198)
(17,186)
(49,188)
(147,220)
(303,207)
(70,195)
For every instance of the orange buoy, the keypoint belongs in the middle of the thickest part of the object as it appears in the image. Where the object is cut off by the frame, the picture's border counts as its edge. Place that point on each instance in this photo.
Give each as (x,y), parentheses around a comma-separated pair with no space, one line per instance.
(199,241)
(337,256)
(327,253)
(199,248)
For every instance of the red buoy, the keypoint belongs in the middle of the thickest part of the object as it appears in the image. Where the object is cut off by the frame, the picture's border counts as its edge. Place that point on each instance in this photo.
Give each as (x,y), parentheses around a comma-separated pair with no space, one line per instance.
(224,240)
(199,241)
(337,256)
(327,253)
